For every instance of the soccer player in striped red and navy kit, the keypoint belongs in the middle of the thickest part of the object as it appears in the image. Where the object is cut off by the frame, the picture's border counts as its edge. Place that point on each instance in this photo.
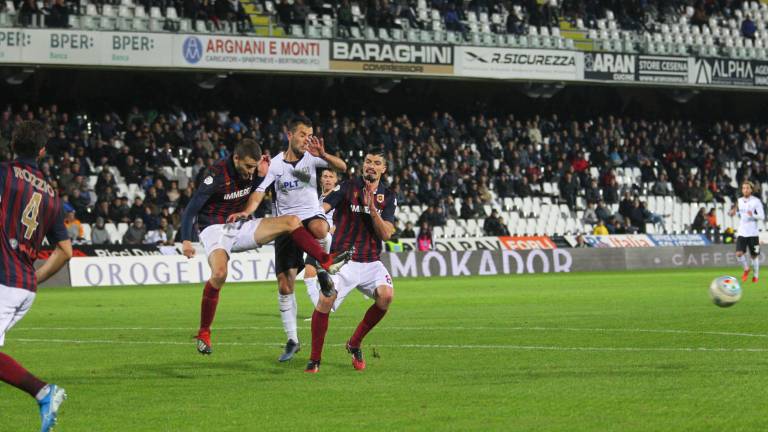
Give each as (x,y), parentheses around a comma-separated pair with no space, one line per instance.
(225,189)
(364,217)
(30,211)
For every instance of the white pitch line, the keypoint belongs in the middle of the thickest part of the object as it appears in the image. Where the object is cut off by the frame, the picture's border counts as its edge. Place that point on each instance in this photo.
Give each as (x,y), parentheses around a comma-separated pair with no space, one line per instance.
(417,346)
(395,328)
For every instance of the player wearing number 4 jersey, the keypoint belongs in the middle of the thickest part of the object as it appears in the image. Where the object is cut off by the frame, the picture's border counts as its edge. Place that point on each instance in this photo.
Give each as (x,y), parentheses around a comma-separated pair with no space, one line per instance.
(751,213)
(364,217)
(31,212)
(225,189)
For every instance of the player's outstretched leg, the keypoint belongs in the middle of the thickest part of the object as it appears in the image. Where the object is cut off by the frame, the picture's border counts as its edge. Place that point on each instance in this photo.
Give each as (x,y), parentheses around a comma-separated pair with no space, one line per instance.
(49,396)
(218,261)
(270,228)
(373,315)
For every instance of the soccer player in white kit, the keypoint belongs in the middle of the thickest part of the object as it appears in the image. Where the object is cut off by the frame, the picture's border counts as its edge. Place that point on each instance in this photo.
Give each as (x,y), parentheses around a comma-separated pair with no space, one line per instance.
(294,175)
(750,210)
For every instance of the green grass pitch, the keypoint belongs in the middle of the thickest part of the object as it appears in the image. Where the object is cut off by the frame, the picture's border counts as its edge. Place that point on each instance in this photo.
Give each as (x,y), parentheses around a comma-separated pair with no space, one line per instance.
(635,351)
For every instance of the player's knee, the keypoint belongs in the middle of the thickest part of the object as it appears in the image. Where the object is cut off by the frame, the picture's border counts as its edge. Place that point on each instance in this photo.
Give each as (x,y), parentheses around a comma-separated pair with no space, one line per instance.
(324,304)
(292,222)
(219,275)
(384,297)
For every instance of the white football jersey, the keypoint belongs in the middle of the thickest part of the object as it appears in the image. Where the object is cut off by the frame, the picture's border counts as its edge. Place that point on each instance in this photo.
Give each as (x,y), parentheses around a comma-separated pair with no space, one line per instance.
(295,185)
(328,215)
(751,213)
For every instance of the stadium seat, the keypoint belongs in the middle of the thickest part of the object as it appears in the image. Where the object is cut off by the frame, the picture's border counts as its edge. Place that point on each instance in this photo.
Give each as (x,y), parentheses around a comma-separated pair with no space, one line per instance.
(86,232)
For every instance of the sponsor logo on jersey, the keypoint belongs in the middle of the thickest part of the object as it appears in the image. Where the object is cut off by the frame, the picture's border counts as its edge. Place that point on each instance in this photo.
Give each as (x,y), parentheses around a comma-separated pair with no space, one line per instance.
(237,194)
(362,209)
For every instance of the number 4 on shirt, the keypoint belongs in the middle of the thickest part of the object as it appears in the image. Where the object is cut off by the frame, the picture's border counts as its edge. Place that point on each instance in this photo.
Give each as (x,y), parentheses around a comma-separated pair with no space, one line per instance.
(29,215)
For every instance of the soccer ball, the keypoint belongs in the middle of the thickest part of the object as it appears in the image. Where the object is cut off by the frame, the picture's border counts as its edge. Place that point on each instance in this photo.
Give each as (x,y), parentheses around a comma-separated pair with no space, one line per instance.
(725,291)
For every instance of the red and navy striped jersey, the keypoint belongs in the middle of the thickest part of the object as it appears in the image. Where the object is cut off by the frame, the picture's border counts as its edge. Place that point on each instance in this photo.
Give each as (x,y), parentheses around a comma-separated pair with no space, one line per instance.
(354,225)
(222,192)
(31,211)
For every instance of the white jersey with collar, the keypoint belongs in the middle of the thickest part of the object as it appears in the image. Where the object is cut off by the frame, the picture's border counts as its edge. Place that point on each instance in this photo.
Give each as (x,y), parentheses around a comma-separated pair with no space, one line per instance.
(751,213)
(295,185)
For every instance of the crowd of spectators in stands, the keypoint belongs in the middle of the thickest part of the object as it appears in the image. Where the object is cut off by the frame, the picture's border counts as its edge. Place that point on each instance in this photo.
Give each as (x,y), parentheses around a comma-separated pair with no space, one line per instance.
(55,13)
(435,160)
(638,15)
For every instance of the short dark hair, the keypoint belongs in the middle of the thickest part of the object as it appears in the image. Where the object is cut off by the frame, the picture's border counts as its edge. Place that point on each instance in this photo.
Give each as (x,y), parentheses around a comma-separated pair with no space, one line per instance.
(248,147)
(297,120)
(29,137)
(377,151)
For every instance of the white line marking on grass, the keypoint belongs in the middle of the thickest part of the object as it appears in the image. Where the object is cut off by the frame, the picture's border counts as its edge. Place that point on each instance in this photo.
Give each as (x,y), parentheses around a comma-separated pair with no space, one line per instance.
(415,346)
(432,328)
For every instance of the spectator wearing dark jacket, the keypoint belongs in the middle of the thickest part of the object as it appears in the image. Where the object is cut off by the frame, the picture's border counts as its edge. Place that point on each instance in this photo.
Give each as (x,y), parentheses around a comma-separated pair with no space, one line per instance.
(492,225)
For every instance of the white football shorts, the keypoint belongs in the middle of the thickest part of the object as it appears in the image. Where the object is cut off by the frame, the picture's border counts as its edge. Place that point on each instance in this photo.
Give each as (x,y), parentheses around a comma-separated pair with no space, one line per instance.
(14,304)
(365,276)
(234,237)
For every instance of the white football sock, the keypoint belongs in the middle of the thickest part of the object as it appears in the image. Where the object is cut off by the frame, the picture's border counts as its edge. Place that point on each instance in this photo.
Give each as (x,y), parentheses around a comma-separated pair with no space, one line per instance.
(43,392)
(755,266)
(744,262)
(312,289)
(288,312)
(325,243)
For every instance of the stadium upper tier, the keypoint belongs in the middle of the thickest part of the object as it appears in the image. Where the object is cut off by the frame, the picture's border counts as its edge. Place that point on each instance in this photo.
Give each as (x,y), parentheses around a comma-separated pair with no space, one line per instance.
(545,175)
(735,29)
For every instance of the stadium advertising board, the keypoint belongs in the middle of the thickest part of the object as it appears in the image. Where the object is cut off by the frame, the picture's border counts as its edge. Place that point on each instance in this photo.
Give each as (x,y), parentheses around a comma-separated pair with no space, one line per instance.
(136,49)
(472,263)
(254,53)
(258,267)
(609,66)
(619,241)
(662,69)
(169,269)
(510,63)
(401,58)
(723,72)
(679,239)
(12,41)
(255,267)
(761,74)
(68,47)
(486,243)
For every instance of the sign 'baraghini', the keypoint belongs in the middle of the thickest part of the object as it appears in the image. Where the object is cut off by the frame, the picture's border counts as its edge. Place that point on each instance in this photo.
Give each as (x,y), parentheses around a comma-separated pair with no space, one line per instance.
(382,57)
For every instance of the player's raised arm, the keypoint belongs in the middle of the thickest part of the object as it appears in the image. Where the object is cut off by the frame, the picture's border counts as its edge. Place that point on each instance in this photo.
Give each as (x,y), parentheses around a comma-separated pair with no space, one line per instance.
(316,148)
(383,223)
(188,218)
